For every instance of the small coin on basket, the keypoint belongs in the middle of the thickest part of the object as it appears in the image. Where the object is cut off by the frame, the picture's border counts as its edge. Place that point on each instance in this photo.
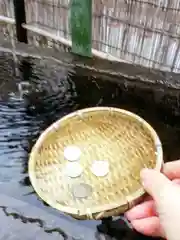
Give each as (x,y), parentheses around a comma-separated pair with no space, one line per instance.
(82,190)
(72,153)
(100,168)
(73,169)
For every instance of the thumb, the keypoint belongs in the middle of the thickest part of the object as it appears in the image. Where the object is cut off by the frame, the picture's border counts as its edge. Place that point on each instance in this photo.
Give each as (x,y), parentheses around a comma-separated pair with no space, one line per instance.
(166,195)
(155,183)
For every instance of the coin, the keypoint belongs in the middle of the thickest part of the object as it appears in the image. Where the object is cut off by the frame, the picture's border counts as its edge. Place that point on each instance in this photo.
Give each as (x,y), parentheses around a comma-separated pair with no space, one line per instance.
(73,169)
(82,190)
(100,168)
(72,153)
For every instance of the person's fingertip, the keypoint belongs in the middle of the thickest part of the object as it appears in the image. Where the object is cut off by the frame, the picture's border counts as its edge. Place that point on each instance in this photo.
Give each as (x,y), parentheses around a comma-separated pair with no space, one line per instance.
(133,213)
(143,210)
(172,169)
(149,227)
(155,183)
(128,215)
(137,224)
(144,174)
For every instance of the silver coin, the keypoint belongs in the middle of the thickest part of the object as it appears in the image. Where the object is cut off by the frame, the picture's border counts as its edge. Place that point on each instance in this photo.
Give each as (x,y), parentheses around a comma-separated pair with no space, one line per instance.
(82,190)
(73,169)
(72,153)
(100,168)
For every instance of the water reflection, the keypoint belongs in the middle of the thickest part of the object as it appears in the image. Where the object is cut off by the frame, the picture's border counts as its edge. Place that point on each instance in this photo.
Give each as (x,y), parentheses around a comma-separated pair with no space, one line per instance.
(44,92)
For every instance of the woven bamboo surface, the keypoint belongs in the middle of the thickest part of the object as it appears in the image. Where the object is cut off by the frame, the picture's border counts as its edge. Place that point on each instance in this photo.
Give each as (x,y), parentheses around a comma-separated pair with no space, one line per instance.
(122,138)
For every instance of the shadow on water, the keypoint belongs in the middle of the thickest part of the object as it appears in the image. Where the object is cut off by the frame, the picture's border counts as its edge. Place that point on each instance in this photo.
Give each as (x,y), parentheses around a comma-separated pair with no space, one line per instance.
(45,92)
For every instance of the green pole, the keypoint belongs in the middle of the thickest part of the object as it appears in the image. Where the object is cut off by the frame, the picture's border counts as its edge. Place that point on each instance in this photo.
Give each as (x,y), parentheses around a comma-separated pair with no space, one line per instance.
(81,27)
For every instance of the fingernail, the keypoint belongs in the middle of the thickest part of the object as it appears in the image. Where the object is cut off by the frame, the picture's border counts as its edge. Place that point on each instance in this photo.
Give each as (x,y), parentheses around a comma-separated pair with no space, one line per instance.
(143,174)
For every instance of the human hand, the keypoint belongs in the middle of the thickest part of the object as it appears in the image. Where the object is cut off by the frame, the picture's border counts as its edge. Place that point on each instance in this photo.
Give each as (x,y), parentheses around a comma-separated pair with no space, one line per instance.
(159,214)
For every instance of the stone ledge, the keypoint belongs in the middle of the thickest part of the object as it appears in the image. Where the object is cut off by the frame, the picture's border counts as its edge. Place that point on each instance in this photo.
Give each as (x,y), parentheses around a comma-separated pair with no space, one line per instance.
(118,70)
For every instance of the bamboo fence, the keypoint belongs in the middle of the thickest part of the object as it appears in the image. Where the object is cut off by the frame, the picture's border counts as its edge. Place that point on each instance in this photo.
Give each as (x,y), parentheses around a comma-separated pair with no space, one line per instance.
(144,32)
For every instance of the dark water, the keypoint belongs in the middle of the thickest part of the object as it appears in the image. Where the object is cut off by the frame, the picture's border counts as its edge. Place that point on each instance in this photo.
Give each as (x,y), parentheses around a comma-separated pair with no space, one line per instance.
(49,92)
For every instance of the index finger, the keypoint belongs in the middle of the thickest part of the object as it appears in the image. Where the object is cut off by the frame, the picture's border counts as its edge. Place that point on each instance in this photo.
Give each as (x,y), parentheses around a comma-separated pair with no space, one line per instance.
(172,169)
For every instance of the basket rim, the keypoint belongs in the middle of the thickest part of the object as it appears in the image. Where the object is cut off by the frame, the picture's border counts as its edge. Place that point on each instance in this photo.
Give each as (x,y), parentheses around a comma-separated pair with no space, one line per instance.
(103,208)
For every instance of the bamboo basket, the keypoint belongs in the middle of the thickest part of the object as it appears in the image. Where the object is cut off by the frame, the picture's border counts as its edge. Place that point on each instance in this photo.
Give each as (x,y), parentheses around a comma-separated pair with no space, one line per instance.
(124,139)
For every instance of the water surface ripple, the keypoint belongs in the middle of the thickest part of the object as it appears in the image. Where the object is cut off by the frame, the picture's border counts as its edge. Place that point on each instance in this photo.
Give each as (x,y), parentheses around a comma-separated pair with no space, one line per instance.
(44,92)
